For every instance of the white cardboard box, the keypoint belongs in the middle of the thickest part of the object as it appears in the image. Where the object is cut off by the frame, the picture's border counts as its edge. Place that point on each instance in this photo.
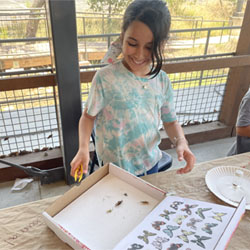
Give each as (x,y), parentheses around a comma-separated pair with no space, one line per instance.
(88,217)
(82,217)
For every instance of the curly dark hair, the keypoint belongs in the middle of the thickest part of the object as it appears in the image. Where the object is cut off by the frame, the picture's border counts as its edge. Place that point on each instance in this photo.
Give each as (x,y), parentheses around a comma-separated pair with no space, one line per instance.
(155,14)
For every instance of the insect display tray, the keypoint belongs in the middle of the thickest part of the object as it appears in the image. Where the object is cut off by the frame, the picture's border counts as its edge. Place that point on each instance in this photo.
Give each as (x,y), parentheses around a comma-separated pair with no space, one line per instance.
(100,212)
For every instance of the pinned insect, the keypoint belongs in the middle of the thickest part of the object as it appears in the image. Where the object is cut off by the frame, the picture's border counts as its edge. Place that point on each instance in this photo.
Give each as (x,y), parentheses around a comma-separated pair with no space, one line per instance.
(199,240)
(135,247)
(192,223)
(179,219)
(145,236)
(118,203)
(176,204)
(185,235)
(169,230)
(156,225)
(187,208)
(166,214)
(174,246)
(218,216)
(208,226)
(200,212)
(157,243)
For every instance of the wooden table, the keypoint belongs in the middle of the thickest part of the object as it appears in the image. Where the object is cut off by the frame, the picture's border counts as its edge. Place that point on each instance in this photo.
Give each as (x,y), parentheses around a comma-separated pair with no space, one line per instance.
(22,227)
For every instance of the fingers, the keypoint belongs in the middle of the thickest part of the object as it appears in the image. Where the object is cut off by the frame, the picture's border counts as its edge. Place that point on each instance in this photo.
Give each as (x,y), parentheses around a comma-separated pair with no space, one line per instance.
(189,157)
(75,165)
(85,168)
(184,170)
(180,158)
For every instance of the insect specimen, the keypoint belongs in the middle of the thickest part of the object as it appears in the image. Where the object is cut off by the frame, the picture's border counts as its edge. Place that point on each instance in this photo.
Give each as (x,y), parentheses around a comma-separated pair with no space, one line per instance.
(144,202)
(157,243)
(200,212)
(218,216)
(208,226)
(192,223)
(199,240)
(174,246)
(169,230)
(118,203)
(176,204)
(187,208)
(156,225)
(166,214)
(185,235)
(135,247)
(180,218)
(145,236)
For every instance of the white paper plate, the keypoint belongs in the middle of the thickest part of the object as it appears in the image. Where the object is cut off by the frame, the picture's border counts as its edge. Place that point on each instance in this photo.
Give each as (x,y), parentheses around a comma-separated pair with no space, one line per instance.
(215,175)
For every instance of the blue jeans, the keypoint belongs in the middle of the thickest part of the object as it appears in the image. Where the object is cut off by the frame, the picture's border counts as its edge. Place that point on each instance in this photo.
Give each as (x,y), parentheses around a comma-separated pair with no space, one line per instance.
(153,170)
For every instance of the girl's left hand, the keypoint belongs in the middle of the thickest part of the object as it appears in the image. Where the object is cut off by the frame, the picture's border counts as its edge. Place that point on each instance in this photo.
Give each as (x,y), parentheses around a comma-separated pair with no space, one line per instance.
(184,153)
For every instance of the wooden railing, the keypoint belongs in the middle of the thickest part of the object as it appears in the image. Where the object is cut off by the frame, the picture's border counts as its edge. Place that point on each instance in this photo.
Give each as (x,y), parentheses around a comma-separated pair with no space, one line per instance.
(86,76)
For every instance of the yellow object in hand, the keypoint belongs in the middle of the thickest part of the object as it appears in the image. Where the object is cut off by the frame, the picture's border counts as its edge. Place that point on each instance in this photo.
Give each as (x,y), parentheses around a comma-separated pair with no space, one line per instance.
(79,173)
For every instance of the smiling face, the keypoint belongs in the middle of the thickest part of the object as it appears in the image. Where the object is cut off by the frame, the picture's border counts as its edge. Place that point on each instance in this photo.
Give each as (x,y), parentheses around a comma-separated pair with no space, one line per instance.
(137,42)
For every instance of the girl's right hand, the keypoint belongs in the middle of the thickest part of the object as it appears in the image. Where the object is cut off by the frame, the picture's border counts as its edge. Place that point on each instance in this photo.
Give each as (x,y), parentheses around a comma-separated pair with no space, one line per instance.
(82,157)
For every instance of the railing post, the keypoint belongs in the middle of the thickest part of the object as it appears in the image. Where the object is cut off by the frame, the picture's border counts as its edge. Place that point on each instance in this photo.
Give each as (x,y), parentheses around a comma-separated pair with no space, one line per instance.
(64,36)
(205,53)
(85,42)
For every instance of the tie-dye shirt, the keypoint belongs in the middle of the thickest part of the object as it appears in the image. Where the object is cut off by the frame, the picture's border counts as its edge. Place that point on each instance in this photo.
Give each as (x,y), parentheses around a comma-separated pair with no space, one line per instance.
(128,111)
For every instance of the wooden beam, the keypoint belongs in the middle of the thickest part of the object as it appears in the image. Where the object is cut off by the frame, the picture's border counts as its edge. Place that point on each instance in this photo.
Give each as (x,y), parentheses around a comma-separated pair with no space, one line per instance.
(87,76)
(25,62)
(27,82)
(207,64)
(42,60)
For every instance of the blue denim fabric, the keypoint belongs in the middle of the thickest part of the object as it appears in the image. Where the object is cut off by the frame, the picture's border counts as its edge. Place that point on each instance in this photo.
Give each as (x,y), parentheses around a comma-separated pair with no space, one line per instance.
(153,170)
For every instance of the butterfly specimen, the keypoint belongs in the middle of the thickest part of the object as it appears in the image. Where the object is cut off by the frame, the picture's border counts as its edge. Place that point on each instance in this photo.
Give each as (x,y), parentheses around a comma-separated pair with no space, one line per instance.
(176,204)
(174,246)
(208,226)
(199,240)
(135,247)
(180,218)
(185,235)
(166,214)
(169,230)
(192,223)
(187,208)
(157,243)
(145,236)
(218,216)
(200,212)
(156,225)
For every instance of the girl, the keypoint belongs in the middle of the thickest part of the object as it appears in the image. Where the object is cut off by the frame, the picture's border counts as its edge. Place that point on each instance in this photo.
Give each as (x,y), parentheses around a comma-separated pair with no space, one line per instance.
(129,98)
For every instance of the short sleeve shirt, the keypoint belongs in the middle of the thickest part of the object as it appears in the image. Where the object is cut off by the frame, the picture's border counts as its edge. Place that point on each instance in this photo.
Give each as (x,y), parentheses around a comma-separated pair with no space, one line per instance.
(128,112)
(243,118)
